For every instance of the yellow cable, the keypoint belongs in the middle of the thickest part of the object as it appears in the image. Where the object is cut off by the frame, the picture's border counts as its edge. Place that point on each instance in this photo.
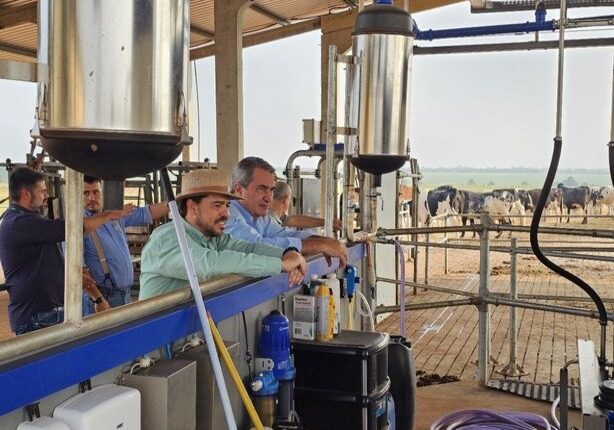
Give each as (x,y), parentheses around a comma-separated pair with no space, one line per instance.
(247,401)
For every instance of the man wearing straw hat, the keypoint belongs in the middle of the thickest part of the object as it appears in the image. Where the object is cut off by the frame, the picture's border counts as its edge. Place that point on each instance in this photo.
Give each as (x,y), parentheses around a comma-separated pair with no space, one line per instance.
(203,204)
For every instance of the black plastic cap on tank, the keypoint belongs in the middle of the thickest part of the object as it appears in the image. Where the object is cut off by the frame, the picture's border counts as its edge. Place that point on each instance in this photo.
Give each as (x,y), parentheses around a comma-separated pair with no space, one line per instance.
(383,18)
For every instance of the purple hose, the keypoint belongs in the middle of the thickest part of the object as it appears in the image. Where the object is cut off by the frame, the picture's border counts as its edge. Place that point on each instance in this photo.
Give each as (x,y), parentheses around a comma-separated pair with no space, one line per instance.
(486,419)
(402,292)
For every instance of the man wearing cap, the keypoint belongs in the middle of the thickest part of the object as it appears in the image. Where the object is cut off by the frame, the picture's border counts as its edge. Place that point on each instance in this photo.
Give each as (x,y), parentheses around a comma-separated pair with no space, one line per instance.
(254,181)
(105,250)
(203,204)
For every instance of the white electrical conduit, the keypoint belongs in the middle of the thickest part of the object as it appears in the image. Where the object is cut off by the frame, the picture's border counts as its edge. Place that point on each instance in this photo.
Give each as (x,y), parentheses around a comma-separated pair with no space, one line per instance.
(200,304)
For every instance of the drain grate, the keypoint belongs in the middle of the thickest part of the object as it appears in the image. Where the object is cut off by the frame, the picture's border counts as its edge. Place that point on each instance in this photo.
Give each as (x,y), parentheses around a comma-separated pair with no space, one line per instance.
(535,391)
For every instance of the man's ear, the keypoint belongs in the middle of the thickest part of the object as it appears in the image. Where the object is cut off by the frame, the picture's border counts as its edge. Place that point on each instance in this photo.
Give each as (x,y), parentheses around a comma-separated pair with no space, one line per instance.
(25,194)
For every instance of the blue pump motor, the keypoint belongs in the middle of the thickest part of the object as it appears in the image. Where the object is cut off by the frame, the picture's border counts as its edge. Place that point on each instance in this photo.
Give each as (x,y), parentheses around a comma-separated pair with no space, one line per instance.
(275,345)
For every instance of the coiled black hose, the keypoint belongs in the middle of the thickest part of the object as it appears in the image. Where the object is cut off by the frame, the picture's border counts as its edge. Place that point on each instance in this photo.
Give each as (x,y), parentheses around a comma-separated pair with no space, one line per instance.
(554,164)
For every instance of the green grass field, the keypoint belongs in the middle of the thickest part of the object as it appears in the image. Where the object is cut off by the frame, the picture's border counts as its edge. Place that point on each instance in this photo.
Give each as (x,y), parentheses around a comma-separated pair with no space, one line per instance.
(483,180)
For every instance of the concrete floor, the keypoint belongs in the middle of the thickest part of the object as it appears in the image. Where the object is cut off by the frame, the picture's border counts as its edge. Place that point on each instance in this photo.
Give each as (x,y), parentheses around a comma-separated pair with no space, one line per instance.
(436,401)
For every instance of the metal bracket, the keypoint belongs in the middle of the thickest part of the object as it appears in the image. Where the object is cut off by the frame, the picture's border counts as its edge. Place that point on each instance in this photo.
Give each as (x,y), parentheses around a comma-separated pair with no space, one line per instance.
(347,131)
(513,370)
(348,59)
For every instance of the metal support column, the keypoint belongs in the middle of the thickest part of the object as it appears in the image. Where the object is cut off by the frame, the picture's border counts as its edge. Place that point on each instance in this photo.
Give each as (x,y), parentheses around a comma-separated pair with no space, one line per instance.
(73,282)
(229,82)
(513,368)
(484,313)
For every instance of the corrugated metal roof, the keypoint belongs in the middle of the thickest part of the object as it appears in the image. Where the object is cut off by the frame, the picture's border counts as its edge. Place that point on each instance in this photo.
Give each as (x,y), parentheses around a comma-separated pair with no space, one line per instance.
(18,39)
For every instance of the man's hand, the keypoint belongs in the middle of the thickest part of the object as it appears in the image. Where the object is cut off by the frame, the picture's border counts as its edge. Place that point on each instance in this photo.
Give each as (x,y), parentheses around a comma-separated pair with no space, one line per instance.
(120,213)
(337,225)
(327,246)
(102,306)
(294,263)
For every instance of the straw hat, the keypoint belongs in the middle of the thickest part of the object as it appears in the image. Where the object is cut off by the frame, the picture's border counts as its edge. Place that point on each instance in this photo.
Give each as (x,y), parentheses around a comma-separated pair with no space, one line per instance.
(204,181)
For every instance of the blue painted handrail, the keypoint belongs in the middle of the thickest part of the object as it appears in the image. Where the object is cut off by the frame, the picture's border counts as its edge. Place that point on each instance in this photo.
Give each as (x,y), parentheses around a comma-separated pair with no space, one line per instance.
(30,380)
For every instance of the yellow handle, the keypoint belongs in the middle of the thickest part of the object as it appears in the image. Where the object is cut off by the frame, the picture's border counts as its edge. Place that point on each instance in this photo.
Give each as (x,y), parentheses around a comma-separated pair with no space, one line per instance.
(247,401)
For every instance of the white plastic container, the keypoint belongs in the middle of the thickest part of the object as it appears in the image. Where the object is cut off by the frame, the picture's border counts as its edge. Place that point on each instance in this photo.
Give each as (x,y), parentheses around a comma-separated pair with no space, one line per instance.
(46,423)
(102,408)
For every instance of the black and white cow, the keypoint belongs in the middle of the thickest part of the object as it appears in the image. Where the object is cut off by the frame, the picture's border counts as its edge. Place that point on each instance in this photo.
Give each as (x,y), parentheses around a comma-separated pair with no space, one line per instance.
(522,201)
(439,201)
(603,196)
(553,201)
(498,206)
(575,198)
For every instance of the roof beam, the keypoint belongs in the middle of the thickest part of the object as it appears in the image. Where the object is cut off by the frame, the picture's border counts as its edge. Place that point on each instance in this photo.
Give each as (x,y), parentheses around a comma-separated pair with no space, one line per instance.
(202,32)
(15,15)
(262,37)
(18,50)
(271,15)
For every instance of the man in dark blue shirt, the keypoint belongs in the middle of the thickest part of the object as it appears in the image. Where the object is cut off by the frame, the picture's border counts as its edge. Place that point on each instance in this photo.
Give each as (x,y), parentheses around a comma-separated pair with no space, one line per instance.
(31,256)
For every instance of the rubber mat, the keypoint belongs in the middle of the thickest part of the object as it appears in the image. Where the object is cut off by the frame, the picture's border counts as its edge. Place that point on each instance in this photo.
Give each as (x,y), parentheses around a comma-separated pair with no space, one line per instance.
(531,390)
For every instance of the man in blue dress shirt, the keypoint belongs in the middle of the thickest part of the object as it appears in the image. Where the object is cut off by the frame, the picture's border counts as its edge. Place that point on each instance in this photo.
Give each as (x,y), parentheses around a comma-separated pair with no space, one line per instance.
(105,251)
(254,181)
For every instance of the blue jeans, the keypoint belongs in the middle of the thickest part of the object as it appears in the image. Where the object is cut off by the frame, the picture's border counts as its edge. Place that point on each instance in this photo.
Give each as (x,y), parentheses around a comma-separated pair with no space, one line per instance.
(41,320)
(115,296)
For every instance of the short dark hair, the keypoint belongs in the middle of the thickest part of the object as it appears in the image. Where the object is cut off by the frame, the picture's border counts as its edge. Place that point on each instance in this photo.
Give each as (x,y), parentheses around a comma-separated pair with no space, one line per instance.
(91,179)
(183,204)
(23,177)
(244,171)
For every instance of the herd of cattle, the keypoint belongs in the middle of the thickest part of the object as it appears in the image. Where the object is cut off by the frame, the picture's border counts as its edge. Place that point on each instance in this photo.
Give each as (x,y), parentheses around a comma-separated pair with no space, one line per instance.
(502,203)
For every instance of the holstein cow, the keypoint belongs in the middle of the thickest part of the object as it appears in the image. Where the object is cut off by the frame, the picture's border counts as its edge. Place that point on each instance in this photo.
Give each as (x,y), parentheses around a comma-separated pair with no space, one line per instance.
(553,201)
(603,196)
(522,201)
(575,198)
(441,200)
(498,206)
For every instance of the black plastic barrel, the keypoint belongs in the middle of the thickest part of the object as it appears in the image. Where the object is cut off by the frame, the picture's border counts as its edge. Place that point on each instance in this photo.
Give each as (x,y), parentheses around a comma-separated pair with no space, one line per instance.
(402,374)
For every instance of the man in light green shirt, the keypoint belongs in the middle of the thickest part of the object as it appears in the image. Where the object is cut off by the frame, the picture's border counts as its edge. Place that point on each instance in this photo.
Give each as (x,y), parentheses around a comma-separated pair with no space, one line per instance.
(204,208)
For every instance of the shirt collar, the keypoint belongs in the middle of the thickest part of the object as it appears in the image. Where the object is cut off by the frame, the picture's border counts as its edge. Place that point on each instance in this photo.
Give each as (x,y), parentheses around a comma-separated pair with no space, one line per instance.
(244,212)
(20,208)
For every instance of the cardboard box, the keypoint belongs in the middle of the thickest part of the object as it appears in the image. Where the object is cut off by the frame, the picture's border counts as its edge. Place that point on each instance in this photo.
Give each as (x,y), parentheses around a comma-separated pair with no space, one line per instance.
(304,317)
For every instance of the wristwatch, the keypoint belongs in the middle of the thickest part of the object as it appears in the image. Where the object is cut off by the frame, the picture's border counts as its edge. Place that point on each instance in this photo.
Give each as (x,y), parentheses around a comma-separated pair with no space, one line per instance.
(289,249)
(98,300)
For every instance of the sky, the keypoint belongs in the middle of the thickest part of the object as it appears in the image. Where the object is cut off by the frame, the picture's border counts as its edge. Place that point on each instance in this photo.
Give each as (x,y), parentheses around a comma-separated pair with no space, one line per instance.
(477,110)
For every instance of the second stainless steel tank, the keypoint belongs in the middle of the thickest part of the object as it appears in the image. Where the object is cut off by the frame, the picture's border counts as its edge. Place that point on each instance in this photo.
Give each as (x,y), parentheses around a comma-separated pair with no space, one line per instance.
(383,42)
(114,104)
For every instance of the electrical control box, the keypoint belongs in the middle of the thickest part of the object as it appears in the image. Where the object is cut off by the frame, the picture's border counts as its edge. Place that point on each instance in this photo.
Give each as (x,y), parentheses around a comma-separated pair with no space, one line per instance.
(168,392)
(209,410)
(104,407)
(43,423)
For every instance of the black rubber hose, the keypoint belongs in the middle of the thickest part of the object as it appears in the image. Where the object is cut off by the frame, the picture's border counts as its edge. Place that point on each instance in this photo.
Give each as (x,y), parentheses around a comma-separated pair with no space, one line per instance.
(166,184)
(554,164)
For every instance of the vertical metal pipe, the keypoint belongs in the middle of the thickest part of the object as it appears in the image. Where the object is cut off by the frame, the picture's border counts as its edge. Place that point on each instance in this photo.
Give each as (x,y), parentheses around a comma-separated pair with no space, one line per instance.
(415,169)
(426,259)
(331,137)
(484,313)
(563,402)
(514,294)
(561,63)
(73,282)
(445,255)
